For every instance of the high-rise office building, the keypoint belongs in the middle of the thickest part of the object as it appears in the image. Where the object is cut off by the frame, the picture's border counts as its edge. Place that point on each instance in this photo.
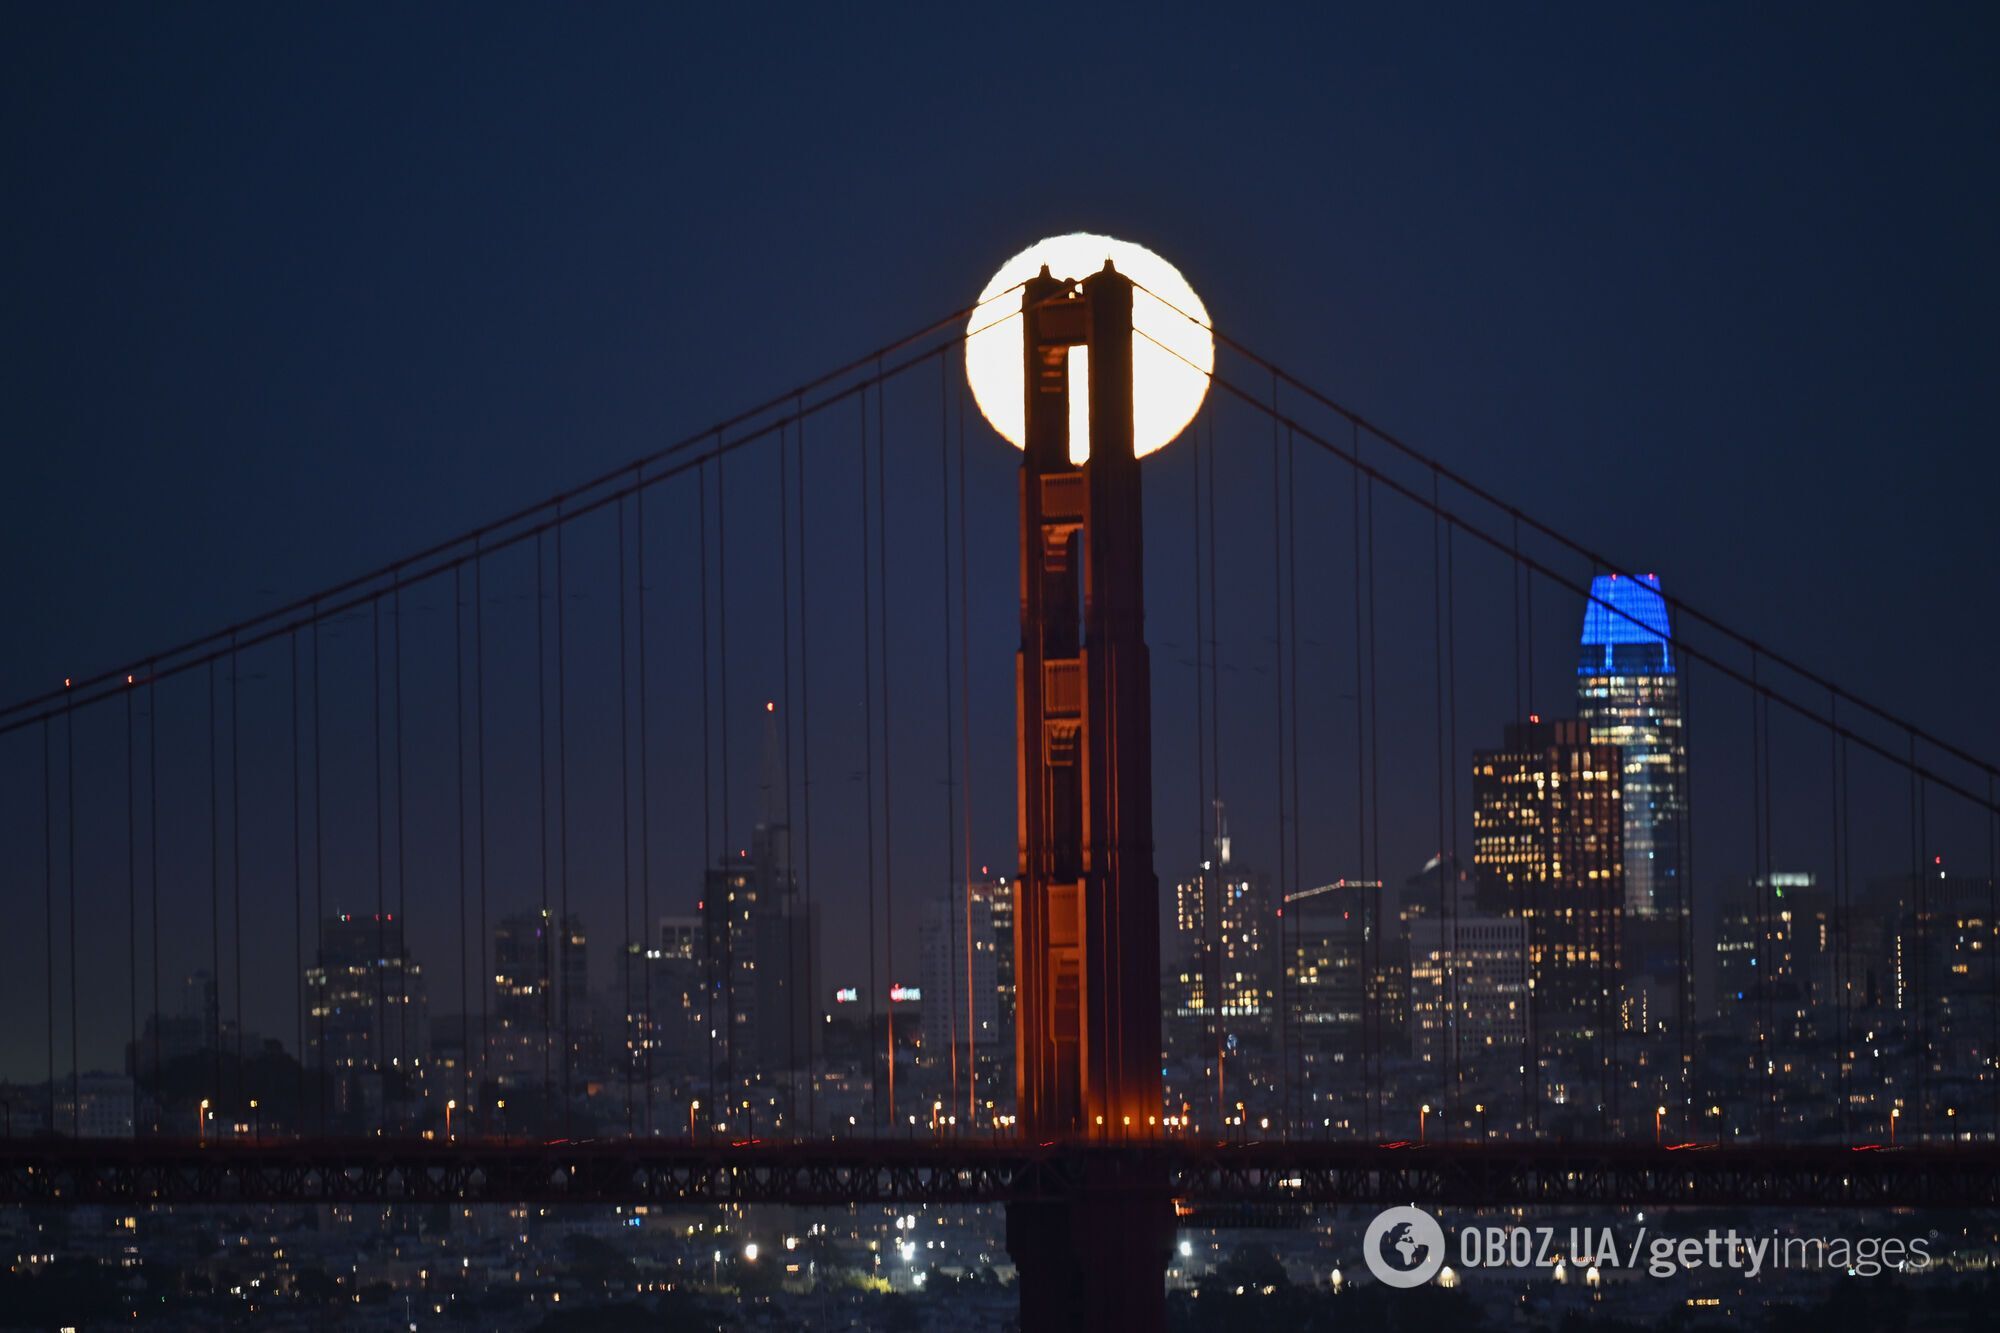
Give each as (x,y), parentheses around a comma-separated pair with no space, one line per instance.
(1628,695)
(1345,968)
(761,940)
(1226,944)
(541,981)
(664,1000)
(999,891)
(1547,830)
(961,997)
(1775,953)
(367,1008)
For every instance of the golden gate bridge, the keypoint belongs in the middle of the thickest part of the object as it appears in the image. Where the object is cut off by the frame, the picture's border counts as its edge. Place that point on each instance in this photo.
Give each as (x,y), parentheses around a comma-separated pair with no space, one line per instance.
(233,770)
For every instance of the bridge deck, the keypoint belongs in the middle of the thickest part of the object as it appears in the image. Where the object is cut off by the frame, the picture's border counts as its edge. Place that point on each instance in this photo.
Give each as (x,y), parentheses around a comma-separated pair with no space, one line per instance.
(71,1172)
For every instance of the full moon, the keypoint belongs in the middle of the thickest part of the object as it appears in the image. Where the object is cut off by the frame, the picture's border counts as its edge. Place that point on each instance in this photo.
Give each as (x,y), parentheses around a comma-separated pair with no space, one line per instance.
(1167,385)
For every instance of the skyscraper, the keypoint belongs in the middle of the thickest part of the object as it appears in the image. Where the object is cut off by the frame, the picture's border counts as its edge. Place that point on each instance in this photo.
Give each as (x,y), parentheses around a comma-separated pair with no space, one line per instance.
(366,1003)
(761,940)
(1226,935)
(1547,847)
(540,972)
(961,1000)
(1628,694)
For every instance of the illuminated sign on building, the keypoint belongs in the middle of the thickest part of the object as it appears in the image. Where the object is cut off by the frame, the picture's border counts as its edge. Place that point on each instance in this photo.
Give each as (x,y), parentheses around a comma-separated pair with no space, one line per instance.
(846,995)
(905,994)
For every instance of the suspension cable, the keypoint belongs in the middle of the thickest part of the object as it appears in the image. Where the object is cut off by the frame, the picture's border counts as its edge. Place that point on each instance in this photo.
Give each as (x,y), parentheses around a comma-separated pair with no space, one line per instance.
(272,623)
(1674,604)
(1539,567)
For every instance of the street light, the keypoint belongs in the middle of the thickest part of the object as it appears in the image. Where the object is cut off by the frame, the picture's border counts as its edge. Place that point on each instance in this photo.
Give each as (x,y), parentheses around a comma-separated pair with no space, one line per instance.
(257,1122)
(1895,1114)
(1659,1114)
(201,1122)
(449,1107)
(1423,1115)
(1481,1108)
(693,1106)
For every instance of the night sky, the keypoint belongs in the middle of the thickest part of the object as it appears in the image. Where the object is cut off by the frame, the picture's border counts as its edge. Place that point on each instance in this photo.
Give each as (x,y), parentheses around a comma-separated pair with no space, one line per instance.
(290,293)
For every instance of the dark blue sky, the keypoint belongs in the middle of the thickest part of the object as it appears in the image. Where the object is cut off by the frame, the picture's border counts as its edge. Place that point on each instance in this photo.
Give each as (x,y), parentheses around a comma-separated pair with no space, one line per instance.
(290,291)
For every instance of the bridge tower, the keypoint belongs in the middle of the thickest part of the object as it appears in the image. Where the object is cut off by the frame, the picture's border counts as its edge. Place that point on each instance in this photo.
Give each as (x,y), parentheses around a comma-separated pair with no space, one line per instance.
(1086,914)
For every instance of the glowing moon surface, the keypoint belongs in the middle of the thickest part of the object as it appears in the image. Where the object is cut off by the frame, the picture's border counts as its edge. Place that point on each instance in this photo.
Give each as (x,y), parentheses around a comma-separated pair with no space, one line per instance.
(1172,354)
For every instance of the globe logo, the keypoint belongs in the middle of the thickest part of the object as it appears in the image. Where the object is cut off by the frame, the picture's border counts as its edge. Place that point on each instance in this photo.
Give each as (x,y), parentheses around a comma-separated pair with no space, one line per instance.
(1403,1247)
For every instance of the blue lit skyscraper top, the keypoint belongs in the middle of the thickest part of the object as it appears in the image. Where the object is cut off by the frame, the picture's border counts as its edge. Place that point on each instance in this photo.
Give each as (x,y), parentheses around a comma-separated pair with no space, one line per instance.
(1625,628)
(1628,694)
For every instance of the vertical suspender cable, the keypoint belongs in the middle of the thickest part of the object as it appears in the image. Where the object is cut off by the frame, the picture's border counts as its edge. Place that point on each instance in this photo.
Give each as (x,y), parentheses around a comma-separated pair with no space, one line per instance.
(212,1000)
(563,935)
(298,889)
(1516,573)
(711,938)
(75,1017)
(49,908)
(875,1091)
(236,858)
(402,858)
(131,889)
(805,783)
(379,1038)
(1209,978)
(790,885)
(1215,761)
(965,760)
(1684,932)
(1919,838)
(729,1051)
(1361,806)
(1278,748)
(1760,886)
(1292,615)
(963,896)
(882,587)
(1840,921)
(153,845)
(458,783)
(1771,909)
(319,872)
(479,731)
(1375,814)
(645,798)
(625,841)
(549,955)
(1444,1024)
(1452,996)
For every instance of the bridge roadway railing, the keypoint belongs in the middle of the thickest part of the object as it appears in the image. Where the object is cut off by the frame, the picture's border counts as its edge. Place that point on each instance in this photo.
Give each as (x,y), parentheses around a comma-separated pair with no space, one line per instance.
(1196,1175)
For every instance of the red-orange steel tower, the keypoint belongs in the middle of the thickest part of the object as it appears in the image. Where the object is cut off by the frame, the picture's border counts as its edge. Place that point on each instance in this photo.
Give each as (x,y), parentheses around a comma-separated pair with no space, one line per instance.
(1086,915)
(1086,902)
